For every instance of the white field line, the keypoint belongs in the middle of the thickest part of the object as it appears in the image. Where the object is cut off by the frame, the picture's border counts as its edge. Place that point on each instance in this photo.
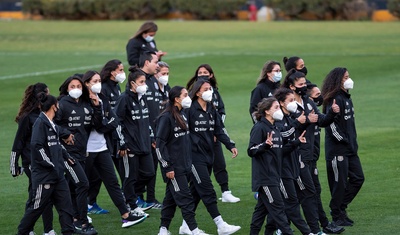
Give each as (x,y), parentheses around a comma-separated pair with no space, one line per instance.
(34,74)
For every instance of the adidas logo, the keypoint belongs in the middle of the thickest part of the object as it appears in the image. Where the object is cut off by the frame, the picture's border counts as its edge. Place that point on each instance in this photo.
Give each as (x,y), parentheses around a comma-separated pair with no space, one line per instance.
(270,94)
(73,112)
(112,95)
(201,115)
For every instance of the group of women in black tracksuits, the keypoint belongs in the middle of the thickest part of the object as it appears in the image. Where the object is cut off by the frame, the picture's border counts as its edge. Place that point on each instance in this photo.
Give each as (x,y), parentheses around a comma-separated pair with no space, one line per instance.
(295,166)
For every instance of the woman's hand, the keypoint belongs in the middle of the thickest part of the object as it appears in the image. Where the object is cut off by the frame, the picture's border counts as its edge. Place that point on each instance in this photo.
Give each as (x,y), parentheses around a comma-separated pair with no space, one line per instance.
(269,140)
(170,174)
(94,98)
(303,139)
(234,152)
(335,107)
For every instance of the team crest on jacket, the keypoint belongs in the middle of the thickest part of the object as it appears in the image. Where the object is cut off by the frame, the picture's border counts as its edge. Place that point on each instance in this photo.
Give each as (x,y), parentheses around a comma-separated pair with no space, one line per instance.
(47,186)
(156,85)
(309,107)
(86,110)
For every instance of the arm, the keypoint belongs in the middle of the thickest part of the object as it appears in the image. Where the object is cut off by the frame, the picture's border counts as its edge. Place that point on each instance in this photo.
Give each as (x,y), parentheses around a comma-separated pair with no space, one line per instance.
(24,129)
(119,109)
(221,133)
(39,144)
(257,144)
(109,120)
(163,132)
(133,51)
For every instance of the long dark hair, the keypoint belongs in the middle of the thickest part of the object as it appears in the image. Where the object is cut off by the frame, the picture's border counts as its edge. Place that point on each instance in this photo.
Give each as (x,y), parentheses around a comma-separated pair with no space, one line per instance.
(146,27)
(332,85)
(213,80)
(110,66)
(88,75)
(282,93)
(64,87)
(262,106)
(30,100)
(195,88)
(175,92)
(292,76)
(267,68)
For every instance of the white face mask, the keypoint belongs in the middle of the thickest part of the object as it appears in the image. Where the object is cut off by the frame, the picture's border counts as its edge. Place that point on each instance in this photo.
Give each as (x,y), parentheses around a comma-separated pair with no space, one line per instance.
(186,102)
(75,93)
(141,90)
(163,80)
(292,107)
(278,115)
(120,77)
(149,38)
(348,84)
(96,88)
(277,76)
(207,96)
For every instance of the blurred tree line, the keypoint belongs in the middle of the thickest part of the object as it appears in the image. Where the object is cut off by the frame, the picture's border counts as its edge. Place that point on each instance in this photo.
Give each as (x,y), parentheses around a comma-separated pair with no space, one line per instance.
(201,9)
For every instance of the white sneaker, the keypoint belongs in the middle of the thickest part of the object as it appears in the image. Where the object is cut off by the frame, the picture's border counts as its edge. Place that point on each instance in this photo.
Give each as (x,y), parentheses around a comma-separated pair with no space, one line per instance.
(164,231)
(228,197)
(227,229)
(184,229)
(31,233)
(139,212)
(51,232)
(200,232)
(278,232)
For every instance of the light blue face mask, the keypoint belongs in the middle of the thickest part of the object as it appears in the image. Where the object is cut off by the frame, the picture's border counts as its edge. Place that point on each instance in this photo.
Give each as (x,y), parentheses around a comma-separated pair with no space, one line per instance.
(277,76)
(149,38)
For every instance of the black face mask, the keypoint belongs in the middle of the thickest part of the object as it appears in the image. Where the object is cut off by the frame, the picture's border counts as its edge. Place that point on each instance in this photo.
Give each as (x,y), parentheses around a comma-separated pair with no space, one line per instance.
(301,90)
(318,100)
(303,70)
(203,78)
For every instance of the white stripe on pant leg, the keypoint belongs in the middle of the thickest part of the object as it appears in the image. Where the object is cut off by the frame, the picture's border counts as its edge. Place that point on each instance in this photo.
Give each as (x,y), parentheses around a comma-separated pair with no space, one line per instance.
(38,196)
(126,165)
(335,169)
(283,190)
(268,193)
(196,175)
(72,172)
(175,184)
(300,183)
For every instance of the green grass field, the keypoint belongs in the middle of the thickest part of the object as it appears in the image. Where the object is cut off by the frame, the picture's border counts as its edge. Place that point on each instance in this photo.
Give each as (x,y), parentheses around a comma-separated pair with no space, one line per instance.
(49,52)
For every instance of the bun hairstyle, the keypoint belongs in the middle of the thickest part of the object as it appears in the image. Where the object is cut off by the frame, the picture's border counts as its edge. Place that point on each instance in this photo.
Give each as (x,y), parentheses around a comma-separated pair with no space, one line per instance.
(30,101)
(292,76)
(290,63)
(134,73)
(46,101)
(262,106)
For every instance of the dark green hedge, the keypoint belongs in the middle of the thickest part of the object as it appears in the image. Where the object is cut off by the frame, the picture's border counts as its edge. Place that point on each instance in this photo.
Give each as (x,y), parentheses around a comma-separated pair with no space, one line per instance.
(131,9)
(394,7)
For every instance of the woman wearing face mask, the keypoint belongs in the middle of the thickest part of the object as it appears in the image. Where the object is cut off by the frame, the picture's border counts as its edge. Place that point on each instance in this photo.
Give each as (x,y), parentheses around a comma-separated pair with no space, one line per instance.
(48,182)
(345,174)
(112,74)
(27,115)
(77,114)
(162,77)
(296,81)
(174,154)
(204,124)
(267,83)
(143,41)
(265,150)
(205,72)
(295,62)
(98,148)
(134,131)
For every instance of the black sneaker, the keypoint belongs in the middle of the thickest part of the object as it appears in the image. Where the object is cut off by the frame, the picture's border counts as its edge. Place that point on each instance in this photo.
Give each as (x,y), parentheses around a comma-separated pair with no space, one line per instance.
(332,228)
(345,217)
(88,230)
(132,220)
(342,222)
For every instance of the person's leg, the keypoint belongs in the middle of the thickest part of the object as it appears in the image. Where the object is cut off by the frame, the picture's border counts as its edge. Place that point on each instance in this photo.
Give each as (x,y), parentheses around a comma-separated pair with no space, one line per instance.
(131,169)
(306,196)
(151,185)
(94,185)
(272,200)
(258,217)
(41,198)
(62,201)
(104,164)
(77,176)
(292,205)
(221,174)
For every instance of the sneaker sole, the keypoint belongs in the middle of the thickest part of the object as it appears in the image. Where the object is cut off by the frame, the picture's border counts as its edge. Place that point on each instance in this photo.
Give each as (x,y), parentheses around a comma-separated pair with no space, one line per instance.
(229,201)
(230,232)
(131,223)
